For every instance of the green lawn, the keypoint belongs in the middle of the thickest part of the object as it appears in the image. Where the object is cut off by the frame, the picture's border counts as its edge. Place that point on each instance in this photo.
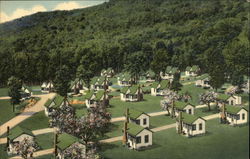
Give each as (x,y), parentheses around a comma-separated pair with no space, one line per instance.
(220,142)
(6,111)
(150,104)
(45,141)
(161,120)
(3,153)
(37,121)
(194,92)
(4,92)
(51,156)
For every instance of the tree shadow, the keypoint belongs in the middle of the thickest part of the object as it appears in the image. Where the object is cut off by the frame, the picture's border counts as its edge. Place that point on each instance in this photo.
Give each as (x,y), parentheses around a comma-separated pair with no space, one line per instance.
(107,146)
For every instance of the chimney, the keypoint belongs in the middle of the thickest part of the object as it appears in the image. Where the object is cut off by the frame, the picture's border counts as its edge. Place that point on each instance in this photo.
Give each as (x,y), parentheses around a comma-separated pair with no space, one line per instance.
(8,133)
(180,123)
(127,115)
(124,140)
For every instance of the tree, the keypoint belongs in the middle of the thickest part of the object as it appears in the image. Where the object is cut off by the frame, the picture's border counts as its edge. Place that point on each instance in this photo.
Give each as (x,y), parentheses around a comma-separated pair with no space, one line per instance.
(207,98)
(176,85)
(26,148)
(62,81)
(15,86)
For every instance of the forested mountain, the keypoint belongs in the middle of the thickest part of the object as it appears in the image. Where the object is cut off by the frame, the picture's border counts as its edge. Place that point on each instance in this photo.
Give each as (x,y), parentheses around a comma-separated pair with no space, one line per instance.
(212,34)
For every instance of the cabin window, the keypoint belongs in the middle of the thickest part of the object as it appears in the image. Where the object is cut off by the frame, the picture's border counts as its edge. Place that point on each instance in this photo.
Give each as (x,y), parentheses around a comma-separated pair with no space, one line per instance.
(145,121)
(200,126)
(237,117)
(232,102)
(243,116)
(137,122)
(189,111)
(138,139)
(146,138)
(193,127)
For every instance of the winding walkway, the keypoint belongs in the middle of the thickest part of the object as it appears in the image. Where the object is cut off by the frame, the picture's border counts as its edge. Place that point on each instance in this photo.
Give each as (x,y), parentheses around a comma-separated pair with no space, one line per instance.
(39,106)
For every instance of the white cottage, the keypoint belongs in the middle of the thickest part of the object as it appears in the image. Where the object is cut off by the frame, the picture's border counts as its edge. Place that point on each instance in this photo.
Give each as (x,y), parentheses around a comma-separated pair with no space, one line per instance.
(137,137)
(26,92)
(131,94)
(98,83)
(180,106)
(47,87)
(54,103)
(190,125)
(150,76)
(192,71)
(228,99)
(235,115)
(138,117)
(124,80)
(157,89)
(169,73)
(93,99)
(77,86)
(203,81)
(66,143)
(18,135)
(108,72)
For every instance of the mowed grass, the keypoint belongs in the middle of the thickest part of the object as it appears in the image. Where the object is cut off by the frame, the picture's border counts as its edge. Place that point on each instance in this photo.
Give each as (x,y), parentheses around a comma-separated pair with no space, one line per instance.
(4,92)
(220,142)
(6,112)
(3,153)
(45,141)
(149,104)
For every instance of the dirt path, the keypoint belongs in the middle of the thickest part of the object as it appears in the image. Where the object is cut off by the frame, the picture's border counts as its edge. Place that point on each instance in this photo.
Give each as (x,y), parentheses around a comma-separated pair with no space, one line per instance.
(39,106)
(7,97)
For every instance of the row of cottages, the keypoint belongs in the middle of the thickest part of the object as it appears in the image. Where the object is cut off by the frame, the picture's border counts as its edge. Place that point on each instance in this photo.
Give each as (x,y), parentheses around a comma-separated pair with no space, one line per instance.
(203,81)
(26,92)
(131,94)
(16,136)
(108,72)
(47,87)
(234,115)
(124,80)
(228,99)
(150,76)
(169,73)
(93,99)
(77,86)
(53,104)
(190,125)
(137,134)
(192,71)
(65,143)
(180,106)
(99,83)
(158,88)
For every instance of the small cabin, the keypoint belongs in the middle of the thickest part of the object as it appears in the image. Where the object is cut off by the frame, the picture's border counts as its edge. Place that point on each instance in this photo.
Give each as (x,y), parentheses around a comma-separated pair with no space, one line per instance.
(157,89)
(236,115)
(203,81)
(169,73)
(138,117)
(77,86)
(16,136)
(131,94)
(138,137)
(190,125)
(228,99)
(192,71)
(108,72)
(47,87)
(124,80)
(180,106)
(150,76)
(26,92)
(52,104)
(65,144)
(98,83)
(93,99)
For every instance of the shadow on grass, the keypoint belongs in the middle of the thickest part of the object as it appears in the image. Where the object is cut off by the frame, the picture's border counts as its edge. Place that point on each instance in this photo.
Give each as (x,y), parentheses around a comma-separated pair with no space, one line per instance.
(107,146)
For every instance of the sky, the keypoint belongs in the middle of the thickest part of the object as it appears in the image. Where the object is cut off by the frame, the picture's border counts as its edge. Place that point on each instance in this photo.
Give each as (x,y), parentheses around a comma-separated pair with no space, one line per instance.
(10,10)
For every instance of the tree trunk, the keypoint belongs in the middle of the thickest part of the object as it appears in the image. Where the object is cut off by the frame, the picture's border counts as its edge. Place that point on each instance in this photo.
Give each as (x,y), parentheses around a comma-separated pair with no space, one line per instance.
(13,107)
(208,104)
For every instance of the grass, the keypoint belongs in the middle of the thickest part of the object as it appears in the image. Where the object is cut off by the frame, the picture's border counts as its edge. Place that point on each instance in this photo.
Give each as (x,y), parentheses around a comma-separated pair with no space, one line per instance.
(45,141)
(51,156)
(194,92)
(149,104)
(4,92)
(221,141)
(6,111)
(161,120)
(3,152)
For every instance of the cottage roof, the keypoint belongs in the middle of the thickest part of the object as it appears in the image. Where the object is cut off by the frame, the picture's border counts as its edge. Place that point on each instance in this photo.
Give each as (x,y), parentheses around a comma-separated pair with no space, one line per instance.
(76,81)
(150,74)
(58,100)
(17,131)
(188,68)
(99,95)
(223,96)
(205,76)
(80,113)
(26,87)
(164,84)
(155,85)
(89,94)
(134,129)
(195,68)
(189,119)
(181,105)
(65,140)
(132,90)
(168,69)
(134,114)
(233,109)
